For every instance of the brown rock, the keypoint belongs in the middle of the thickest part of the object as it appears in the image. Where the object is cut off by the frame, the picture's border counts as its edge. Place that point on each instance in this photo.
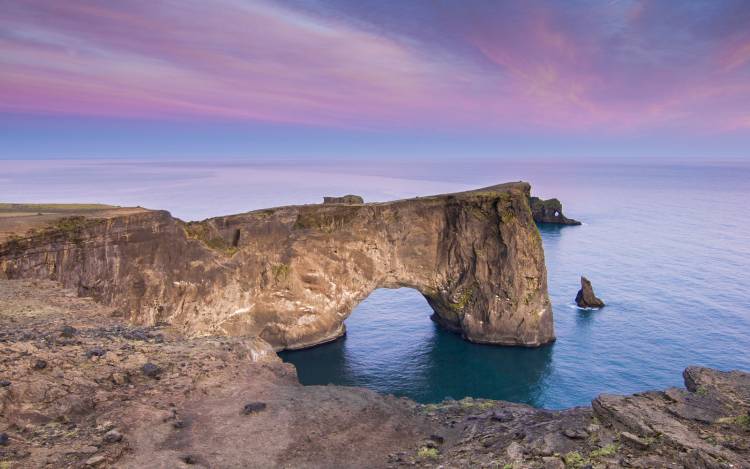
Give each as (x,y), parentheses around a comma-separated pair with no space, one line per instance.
(549,211)
(586,298)
(291,275)
(346,199)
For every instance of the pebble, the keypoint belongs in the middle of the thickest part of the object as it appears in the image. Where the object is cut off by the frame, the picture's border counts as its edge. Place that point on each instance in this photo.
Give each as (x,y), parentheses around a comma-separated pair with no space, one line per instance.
(4,439)
(95,352)
(112,436)
(252,407)
(151,370)
(68,331)
(94,460)
(4,383)
(188,459)
(575,434)
(40,365)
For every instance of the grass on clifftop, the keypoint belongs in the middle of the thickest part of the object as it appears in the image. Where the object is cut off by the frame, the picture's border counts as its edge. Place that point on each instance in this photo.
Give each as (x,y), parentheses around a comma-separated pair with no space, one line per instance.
(53,208)
(201,232)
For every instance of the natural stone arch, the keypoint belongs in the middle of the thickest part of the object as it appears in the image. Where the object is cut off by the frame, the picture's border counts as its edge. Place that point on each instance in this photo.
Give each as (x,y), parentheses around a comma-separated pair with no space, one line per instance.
(293,274)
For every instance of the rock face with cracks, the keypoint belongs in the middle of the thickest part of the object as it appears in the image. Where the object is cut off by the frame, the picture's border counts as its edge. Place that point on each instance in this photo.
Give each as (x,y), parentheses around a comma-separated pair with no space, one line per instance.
(549,211)
(291,275)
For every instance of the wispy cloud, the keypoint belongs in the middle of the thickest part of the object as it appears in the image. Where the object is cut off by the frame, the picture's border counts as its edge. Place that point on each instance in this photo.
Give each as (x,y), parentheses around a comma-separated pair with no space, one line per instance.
(615,66)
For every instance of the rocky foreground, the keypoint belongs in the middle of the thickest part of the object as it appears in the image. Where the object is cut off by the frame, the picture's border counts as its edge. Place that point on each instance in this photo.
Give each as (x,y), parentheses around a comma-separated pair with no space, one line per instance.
(79,387)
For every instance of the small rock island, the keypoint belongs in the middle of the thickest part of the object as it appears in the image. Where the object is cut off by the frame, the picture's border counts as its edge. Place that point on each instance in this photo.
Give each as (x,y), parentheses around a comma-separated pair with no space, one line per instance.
(549,211)
(586,297)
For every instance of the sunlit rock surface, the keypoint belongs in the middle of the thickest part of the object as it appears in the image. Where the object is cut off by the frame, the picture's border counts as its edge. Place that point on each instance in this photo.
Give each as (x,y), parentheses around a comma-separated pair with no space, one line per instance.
(291,275)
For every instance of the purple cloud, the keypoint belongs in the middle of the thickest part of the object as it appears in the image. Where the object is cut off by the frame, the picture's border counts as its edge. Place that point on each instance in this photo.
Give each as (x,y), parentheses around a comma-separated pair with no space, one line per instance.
(573,66)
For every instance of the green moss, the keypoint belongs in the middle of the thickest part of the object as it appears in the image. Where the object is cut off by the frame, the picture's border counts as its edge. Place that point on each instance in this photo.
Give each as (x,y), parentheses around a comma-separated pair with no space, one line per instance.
(574,460)
(280,272)
(5,465)
(505,208)
(427,453)
(479,212)
(4,207)
(69,227)
(605,451)
(702,391)
(741,420)
(201,232)
(463,299)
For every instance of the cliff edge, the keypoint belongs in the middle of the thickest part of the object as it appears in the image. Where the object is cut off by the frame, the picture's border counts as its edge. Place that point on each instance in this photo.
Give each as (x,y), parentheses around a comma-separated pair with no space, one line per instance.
(291,275)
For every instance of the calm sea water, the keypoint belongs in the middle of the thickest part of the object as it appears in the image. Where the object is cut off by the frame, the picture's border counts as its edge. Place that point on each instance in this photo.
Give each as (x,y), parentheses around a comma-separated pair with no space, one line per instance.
(667,246)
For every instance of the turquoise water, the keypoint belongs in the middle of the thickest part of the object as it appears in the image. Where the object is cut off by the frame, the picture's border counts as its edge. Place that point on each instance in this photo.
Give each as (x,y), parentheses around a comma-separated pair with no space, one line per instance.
(666,247)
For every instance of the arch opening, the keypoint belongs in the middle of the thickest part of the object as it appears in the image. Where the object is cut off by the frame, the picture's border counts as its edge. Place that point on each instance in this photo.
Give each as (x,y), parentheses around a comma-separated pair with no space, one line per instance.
(392,346)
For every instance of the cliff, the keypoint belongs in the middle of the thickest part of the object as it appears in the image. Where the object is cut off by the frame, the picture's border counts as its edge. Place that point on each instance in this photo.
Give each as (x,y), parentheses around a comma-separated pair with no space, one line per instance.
(549,211)
(291,275)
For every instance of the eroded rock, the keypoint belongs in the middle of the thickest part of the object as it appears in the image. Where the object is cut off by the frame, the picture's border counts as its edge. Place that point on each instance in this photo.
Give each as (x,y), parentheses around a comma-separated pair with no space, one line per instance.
(586,298)
(346,199)
(291,275)
(549,211)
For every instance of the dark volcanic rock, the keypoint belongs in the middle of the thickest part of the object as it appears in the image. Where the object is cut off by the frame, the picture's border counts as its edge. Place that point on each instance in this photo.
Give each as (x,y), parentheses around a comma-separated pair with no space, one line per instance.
(4,383)
(585,297)
(252,407)
(40,364)
(4,439)
(68,331)
(95,352)
(549,211)
(292,275)
(346,199)
(151,370)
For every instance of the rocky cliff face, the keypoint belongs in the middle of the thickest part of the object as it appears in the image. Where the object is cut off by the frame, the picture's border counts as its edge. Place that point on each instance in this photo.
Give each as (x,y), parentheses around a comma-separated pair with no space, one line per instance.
(291,275)
(549,211)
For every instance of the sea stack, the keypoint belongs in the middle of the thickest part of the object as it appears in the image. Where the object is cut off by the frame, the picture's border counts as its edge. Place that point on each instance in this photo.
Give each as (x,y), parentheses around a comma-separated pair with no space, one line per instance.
(585,297)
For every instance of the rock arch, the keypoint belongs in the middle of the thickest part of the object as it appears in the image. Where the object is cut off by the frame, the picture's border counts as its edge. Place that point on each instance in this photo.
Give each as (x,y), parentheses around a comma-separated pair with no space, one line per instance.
(291,275)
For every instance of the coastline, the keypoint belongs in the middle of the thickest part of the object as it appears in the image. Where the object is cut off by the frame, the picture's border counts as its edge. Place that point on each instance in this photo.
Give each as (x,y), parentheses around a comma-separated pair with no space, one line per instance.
(191,416)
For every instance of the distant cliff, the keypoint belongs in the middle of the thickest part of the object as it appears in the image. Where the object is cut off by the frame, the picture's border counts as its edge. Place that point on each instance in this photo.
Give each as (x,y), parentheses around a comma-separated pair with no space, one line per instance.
(291,275)
(549,211)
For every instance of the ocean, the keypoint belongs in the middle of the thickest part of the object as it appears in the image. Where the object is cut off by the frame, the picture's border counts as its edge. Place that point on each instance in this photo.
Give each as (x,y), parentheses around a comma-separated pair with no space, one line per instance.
(666,245)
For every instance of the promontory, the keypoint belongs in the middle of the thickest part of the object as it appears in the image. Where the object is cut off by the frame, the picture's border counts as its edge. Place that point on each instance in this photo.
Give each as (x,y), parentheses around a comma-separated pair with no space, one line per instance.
(291,275)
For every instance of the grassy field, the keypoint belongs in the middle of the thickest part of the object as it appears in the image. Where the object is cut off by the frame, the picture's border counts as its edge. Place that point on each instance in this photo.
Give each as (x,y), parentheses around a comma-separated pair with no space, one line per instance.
(21,219)
(51,208)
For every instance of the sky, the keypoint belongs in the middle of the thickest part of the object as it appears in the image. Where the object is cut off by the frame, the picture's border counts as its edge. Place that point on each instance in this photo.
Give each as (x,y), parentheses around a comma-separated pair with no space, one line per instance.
(374,79)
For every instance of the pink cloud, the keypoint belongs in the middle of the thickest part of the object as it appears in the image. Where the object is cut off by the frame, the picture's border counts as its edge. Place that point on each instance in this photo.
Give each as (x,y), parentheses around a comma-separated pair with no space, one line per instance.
(609,68)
